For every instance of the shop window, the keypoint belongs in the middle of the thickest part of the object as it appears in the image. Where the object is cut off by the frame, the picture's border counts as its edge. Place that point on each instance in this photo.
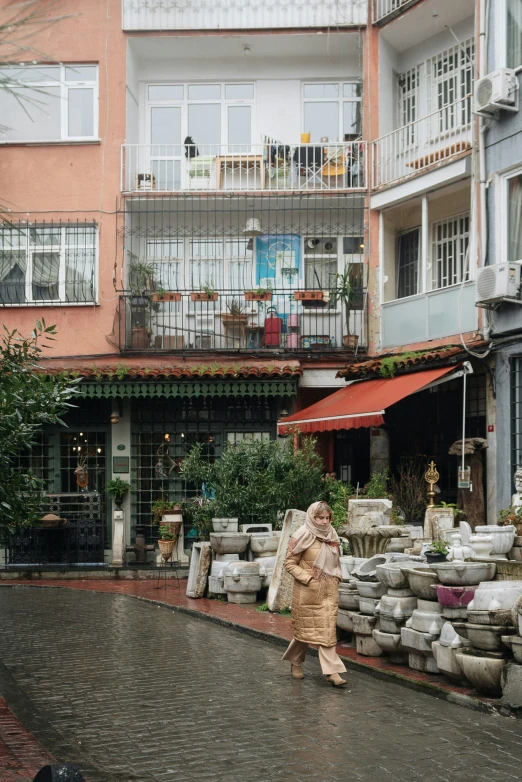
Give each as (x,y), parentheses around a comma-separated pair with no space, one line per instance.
(49,103)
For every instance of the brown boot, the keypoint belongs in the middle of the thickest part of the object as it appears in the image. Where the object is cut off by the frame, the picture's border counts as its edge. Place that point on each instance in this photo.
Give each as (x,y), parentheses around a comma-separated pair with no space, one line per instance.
(297,672)
(336,680)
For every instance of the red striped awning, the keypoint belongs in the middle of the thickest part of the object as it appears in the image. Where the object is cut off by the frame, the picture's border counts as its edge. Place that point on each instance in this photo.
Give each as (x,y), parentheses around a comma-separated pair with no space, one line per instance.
(360,404)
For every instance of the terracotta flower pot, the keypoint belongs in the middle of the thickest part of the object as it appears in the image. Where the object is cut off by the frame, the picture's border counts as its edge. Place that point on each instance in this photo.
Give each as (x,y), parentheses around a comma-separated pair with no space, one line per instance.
(202,296)
(167,296)
(253,296)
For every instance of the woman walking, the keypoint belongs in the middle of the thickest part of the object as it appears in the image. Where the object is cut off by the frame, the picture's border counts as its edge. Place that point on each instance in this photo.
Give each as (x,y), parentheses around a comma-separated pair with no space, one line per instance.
(313,560)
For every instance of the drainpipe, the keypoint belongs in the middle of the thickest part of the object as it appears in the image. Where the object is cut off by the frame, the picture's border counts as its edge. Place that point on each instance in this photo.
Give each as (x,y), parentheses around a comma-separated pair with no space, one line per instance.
(482,132)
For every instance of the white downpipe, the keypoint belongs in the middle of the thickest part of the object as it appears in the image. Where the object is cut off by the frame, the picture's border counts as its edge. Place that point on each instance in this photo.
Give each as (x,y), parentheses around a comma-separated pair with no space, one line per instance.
(484,4)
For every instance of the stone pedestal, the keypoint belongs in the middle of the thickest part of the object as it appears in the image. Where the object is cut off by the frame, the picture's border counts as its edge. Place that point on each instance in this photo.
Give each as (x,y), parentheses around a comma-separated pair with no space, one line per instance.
(436,520)
(199,567)
(281,586)
(118,538)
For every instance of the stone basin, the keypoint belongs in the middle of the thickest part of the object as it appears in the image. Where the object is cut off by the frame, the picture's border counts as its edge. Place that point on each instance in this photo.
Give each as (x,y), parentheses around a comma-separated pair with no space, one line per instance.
(348,563)
(446,659)
(421,580)
(464,573)
(363,625)
(494,595)
(515,644)
(450,637)
(487,638)
(344,620)
(372,541)
(367,571)
(392,645)
(484,673)
(264,545)
(229,542)
(502,537)
(348,598)
(391,575)
(454,596)
(455,613)
(389,625)
(416,641)
(397,608)
(427,618)
(367,605)
(370,588)
(242,582)
(225,525)
(500,617)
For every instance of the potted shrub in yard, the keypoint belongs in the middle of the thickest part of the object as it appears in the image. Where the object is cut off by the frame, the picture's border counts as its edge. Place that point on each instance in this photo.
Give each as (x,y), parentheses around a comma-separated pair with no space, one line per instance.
(343,293)
(437,551)
(118,488)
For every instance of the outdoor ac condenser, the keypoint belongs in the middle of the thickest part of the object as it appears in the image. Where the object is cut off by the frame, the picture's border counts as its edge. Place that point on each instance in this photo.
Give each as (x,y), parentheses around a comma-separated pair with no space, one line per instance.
(498,90)
(497,283)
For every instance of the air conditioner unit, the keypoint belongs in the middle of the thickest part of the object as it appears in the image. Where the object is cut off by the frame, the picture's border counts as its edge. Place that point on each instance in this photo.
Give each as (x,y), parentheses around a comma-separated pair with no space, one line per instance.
(498,90)
(145,182)
(497,283)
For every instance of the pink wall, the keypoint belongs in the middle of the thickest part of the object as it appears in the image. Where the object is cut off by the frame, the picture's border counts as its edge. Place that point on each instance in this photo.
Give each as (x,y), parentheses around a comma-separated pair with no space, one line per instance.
(76,181)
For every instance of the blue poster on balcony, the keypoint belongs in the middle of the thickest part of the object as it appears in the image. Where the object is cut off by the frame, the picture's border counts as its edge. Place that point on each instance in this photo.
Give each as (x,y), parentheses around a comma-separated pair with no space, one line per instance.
(278,261)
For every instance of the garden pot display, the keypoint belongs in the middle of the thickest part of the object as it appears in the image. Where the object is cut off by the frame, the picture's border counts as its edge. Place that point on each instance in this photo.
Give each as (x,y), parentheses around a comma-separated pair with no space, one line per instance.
(487,638)
(225,525)
(496,595)
(483,671)
(391,644)
(502,538)
(264,545)
(464,573)
(422,581)
(229,542)
(446,661)
(348,597)
(345,620)
(427,618)
(372,589)
(242,582)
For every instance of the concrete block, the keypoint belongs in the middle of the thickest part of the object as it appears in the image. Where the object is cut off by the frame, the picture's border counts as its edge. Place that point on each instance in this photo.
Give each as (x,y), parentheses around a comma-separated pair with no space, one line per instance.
(511,682)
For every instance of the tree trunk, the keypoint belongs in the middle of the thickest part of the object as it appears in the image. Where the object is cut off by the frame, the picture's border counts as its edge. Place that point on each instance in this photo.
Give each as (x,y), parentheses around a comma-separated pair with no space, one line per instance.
(472,502)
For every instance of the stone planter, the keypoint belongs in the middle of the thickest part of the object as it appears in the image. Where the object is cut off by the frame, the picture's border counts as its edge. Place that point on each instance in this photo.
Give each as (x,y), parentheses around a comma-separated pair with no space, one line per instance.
(483,672)
(229,542)
(454,596)
(464,573)
(421,581)
(459,614)
(225,525)
(215,586)
(391,644)
(495,595)
(486,638)
(373,541)
(242,582)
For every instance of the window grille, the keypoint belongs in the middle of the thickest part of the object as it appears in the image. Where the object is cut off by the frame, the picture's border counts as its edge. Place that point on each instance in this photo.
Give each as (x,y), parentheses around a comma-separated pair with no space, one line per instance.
(408,263)
(408,86)
(48,263)
(449,251)
(450,81)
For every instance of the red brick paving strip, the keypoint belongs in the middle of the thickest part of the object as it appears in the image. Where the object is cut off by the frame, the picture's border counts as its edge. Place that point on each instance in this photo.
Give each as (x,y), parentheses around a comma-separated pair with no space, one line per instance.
(21,756)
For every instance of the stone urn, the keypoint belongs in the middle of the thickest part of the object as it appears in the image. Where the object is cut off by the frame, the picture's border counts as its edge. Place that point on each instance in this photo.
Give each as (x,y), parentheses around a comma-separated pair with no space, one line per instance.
(229,542)
(242,582)
(482,670)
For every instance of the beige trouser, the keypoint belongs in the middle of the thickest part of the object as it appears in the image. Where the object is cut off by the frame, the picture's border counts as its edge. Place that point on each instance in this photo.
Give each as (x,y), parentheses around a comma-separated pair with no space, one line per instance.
(328,658)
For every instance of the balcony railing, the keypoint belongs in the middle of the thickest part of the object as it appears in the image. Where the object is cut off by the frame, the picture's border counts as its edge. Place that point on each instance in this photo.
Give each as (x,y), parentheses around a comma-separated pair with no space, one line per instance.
(436,138)
(248,14)
(167,168)
(385,8)
(282,320)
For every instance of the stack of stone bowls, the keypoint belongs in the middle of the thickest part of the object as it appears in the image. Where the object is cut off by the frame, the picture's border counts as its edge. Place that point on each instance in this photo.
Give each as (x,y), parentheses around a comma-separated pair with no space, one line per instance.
(423,628)
(394,608)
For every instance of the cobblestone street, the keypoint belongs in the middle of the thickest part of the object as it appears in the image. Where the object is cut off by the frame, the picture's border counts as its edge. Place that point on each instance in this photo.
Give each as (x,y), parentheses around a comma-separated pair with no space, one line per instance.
(131,691)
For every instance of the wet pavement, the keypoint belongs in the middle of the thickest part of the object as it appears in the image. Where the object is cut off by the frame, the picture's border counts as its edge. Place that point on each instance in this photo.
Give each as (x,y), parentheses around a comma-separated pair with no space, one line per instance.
(131,691)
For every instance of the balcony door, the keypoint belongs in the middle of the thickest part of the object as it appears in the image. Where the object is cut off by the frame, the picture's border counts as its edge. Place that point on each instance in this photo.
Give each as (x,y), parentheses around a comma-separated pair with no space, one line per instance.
(166,147)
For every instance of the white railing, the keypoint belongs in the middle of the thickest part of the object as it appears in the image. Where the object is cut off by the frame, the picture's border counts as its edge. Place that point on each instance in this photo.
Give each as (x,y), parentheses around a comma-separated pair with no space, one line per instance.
(248,14)
(383,8)
(167,168)
(419,145)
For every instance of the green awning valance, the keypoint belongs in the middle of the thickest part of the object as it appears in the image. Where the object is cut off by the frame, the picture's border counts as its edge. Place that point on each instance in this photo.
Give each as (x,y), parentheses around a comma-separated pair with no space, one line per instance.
(152,389)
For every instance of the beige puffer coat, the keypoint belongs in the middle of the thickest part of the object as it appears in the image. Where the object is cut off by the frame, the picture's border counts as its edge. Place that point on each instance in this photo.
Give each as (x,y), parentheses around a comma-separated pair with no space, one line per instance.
(314,603)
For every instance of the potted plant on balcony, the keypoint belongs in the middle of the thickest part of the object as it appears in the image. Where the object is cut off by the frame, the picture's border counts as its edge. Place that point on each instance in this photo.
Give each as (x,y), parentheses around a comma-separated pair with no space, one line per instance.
(207,293)
(235,316)
(141,286)
(343,292)
(118,488)
(161,295)
(312,298)
(260,294)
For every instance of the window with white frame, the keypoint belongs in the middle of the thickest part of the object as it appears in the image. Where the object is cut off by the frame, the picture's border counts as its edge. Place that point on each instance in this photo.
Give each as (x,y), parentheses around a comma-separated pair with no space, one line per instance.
(332,110)
(205,264)
(48,264)
(514,217)
(408,88)
(408,250)
(49,103)
(320,256)
(513,33)
(237,437)
(449,254)
(450,79)
(166,257)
